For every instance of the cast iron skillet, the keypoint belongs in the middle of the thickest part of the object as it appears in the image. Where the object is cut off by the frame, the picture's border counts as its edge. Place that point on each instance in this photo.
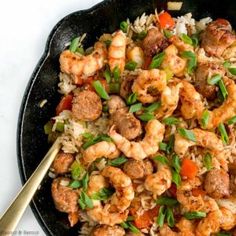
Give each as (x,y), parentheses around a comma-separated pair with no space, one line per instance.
(104,17)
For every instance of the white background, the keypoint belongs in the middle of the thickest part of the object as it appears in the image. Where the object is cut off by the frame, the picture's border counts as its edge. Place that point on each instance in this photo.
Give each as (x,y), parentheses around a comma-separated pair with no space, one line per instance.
(24,28)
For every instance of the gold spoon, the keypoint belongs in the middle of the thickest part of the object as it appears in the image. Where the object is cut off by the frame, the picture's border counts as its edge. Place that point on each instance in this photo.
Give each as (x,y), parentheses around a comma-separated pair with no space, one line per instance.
(13,214)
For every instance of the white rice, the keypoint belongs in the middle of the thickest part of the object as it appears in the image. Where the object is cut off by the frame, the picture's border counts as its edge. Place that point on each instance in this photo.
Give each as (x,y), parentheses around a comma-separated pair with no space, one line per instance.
(66,84)
(143,23)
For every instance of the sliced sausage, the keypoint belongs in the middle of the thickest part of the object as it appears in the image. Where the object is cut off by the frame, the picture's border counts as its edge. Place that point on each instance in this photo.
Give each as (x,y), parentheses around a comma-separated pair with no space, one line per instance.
(86,106)
(126,85)
(62,163)
(138,169)
(217,183)
(65,198)
(115,103)
(126,124)
(154,42)
(217,37)
(203,72)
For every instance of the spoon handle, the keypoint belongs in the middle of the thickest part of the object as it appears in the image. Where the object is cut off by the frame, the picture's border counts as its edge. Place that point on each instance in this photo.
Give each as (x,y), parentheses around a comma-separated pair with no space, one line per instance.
(13,214)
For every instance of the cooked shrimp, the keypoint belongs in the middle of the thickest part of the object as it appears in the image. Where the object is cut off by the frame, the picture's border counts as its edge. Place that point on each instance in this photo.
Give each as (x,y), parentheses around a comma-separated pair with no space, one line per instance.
(169,100)
(77,65)
(121,200)
(209,225)
(192,105)
(136,54)
(115,103)
(227,109)
(142,149)
(160,181)
(227,220)
(116,51)
(205,139)
(186,227)
(166,230)
(194,203)
(105,230)
(149,85)
(98,150)
(180,44)
(173,62)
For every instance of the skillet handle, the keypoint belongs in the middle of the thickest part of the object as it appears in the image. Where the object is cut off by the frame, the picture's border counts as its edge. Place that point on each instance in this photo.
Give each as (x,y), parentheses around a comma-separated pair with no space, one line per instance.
(13,214)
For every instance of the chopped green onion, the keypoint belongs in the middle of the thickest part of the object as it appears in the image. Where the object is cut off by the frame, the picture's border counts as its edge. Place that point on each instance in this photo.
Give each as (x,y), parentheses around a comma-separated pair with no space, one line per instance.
(107,42)
(176,163)
(131,65)
(135,107)
(205,118)
(87,135)
(232,120)
(232,70)
(207,161)
(186,39)
(105,108)
(118,161)
(157,60)
(93,140)
(103,194)
(116,73)
(114,87)
(60,127)
(167,33)
(195,40)
(192,60)
(214,79)
(161,216)
(85,201)
(107,75)
(130,226)
(223,89)
(176,178)
(223,234)
(140,36)
(124,225)
(223,133)
(75,184)
(76,170)
(131,99)
(80,50)
(153,107)
(163,146)
(100,90)
(188,134)
(48,127)
(146,117)
(170,145)
(171,120)
(74,44)
(226,64)
(194,215)
(167,201)
(124,26)
(84,181)
(170,217)
(161,159)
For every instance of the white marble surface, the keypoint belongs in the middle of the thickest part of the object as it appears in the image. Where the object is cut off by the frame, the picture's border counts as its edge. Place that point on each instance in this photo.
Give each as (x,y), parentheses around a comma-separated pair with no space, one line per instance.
(24,28)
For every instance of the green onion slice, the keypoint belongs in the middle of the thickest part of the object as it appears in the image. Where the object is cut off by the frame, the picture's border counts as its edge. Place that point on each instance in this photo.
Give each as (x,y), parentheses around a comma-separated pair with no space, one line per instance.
(186,39)
(195,40)
(223,133)
(60,127)
(176,163)
(226,64)
(223,89)
(135,107)
(116,74)
(171,120)
(75,184)
(192,60)
(124,26)
(232,120)
(170,217)
(161,159)
(205,118)
(223,234)
(118,161)
(176,178)
(107,75)
(163,146)
(153,107)
(48,127)
(131,65)
(103,194)
(100,90)
(170,145)
(146,117)
(114,87)
(194,215)
(76,170)
(74,44)
(161,216)
(188,134)
(84,181)
(157,60)
(232,70)
(167,201)
(85,201)
(131,99)
(214,79)
(207,161)
(167,33)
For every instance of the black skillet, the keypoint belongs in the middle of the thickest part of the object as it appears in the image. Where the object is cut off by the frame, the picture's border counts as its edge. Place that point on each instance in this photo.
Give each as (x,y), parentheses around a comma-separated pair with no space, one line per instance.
(104,17)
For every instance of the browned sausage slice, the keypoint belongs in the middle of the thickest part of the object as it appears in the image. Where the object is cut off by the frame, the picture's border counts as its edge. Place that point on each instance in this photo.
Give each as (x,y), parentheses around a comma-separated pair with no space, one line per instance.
(86,106)
(126,85)
(217,183)
(217,37)
(62,163)
(65,198)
